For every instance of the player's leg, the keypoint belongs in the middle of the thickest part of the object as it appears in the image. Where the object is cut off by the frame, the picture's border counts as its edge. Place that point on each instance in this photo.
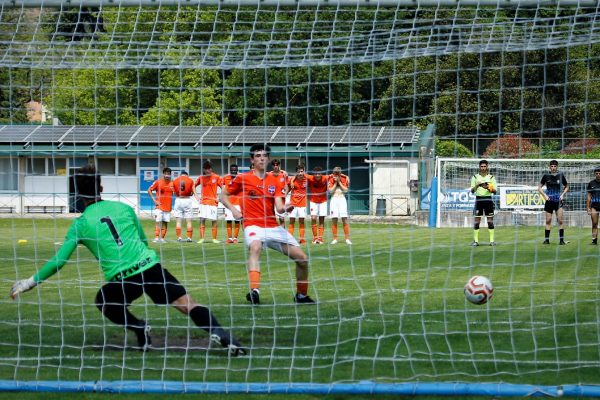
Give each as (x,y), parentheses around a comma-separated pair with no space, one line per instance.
(490,222)
(321,227)
(594,216)
(253,238)
(302,229)
(236,231)
(548,226)
(178,229)
(189,229)
(113,300)
(314,225)
(476,223)
(559,221)
(202,226)
(291,225)
(214,226)
(346,227)
(301,260)
(163,288)
(157,224)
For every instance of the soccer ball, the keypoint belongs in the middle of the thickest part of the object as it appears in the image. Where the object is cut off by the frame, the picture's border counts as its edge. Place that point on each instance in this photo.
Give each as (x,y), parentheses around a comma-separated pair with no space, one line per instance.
(478,290)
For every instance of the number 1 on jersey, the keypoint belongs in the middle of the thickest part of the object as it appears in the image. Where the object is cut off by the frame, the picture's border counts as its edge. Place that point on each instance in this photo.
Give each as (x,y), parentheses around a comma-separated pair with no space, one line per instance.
(113,230)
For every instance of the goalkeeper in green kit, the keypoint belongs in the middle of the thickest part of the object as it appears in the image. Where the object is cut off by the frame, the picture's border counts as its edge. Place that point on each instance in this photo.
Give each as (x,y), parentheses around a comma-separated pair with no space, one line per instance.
(114,235)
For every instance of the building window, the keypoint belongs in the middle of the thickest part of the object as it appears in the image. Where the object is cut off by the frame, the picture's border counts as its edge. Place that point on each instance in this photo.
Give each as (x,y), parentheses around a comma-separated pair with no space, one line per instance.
(36,166)
(9,173)
(127,167)
(57,166)
(106,166)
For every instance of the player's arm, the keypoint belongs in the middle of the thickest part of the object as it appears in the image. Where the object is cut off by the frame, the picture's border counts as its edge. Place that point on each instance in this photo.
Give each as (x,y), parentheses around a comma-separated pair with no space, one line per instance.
(566,187)
(225,199)
(341,183)
(281,207)
(151,194)
(195,191)
(51,267)
(474,184)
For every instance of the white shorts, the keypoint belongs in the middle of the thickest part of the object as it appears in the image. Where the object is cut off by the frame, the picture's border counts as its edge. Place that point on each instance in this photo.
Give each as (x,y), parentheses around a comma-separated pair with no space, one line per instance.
(229,214)
(183,208)
(162,216)
(318,209)
(270,237)
(208,212)
(338,207)
(298,212)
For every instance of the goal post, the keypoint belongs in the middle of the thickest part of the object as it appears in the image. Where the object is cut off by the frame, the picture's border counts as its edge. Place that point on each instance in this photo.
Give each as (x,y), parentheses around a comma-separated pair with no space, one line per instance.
(517,200)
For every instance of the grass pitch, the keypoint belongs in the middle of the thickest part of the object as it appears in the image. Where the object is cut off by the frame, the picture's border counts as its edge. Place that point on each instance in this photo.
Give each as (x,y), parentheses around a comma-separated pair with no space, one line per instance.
(390,309)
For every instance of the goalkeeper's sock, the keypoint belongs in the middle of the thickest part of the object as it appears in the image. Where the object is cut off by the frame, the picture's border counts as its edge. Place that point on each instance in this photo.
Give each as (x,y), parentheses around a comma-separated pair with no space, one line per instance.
(476,235)
(492,236)
(204,319)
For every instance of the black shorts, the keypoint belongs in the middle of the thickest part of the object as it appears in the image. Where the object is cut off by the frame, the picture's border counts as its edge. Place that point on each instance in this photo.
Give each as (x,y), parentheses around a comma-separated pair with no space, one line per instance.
(156,282)
(552,206)
(595,206)
(484,207)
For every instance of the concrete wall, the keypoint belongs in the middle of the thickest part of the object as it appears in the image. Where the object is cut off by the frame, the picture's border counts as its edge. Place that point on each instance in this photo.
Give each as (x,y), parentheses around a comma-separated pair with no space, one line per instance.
(390,184)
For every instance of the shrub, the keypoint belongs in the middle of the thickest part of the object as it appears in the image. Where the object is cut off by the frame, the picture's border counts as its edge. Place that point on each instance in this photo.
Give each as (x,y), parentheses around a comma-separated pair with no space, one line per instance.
(511,146)
(451,148)
(582,146)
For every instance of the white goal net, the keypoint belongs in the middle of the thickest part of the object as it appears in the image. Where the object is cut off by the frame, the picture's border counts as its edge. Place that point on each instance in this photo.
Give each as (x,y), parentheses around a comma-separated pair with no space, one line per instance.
(367,86)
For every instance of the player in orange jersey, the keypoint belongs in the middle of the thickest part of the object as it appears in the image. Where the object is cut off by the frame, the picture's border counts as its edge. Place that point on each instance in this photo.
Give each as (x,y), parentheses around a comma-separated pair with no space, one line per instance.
(209,200)
(163,202)
(233,224)
(183,186)
(298,185)
(283,177)
(261,194)
(338,185)
(317,184)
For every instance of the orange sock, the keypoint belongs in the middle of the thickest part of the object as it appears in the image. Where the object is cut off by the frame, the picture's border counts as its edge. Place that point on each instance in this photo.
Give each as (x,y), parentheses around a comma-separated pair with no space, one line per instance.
(334,231)
(163,232)
(236,230)
(229,229)
(156,231)
(302,231)
(178,231)
(346,230)
(314,230)
(291,228)
(321,231)
(190,231)
(214,231)
(202,229)
(254,278)
(302,287)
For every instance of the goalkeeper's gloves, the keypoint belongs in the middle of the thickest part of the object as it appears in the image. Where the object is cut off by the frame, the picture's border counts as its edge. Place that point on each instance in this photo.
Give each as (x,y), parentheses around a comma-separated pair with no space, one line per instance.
(21,286)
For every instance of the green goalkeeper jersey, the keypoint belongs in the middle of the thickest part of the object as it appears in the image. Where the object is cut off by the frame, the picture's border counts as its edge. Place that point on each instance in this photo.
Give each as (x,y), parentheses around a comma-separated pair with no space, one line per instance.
(114,235)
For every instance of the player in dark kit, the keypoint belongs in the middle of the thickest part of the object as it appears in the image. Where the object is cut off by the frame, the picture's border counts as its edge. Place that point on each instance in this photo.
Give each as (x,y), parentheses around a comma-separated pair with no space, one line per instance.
(114,235)
(556,187)
(593,203)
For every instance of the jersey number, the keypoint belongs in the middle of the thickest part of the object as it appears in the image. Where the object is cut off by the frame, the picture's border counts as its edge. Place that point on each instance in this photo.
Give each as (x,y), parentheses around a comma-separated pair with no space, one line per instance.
(112,229)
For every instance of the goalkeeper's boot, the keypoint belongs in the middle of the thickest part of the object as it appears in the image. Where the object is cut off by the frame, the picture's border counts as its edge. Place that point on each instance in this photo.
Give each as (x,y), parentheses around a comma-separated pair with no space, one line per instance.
(303,299)
(475,244)
(562,242)
(595,241)
(227,341)
(143,338)
(546,241)
(253,297)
